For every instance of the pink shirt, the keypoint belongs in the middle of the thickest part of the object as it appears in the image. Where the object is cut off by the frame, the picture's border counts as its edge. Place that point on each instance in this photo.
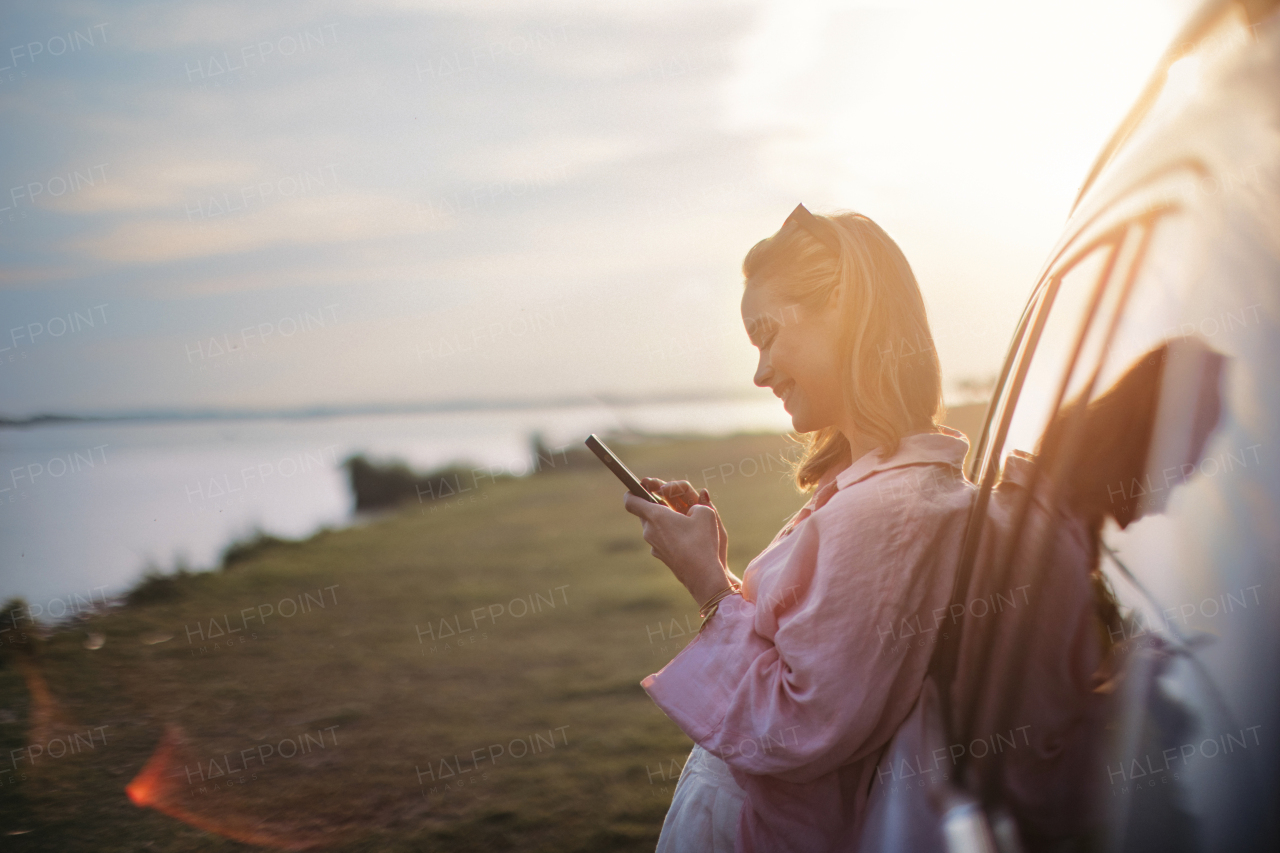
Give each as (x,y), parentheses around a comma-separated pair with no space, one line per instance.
(799,683)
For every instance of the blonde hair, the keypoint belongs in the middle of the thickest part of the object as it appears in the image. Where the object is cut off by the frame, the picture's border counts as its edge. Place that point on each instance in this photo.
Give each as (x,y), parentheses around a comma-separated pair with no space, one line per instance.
(891,375)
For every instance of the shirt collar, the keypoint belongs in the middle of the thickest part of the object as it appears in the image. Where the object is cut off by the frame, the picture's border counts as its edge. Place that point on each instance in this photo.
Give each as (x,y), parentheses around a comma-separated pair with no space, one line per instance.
(1019,468)
(944,447)
(1019,473)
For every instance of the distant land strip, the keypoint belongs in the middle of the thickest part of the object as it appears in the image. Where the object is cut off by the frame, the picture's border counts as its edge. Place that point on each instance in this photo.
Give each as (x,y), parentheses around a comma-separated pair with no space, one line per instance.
(456,405)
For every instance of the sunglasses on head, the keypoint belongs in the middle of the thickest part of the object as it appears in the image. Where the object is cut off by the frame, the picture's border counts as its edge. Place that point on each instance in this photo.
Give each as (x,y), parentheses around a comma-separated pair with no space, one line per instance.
(819,230)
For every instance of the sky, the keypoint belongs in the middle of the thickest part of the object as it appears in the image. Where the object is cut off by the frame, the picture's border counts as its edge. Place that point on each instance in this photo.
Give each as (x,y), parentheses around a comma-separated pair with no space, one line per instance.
(265,206)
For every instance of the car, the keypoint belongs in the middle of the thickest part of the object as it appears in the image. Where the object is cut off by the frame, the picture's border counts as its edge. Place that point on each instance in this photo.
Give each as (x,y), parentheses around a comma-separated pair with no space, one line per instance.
(1120,687)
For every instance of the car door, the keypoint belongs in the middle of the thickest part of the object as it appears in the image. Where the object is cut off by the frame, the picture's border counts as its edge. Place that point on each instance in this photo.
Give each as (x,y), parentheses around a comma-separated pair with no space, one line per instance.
(1141,376)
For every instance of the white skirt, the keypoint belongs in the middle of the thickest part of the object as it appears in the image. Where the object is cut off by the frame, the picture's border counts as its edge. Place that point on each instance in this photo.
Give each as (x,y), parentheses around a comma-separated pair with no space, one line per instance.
(703,817)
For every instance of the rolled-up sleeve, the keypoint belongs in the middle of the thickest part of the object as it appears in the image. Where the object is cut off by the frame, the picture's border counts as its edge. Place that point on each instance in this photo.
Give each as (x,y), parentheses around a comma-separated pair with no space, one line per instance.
(808,676)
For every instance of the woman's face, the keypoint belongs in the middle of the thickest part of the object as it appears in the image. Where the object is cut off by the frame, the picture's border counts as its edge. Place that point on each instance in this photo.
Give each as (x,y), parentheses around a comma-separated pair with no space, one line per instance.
(798,355)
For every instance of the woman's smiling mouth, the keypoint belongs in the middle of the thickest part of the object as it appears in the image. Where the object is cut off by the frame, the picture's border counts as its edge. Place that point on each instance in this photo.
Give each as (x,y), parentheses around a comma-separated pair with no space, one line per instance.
(783,391)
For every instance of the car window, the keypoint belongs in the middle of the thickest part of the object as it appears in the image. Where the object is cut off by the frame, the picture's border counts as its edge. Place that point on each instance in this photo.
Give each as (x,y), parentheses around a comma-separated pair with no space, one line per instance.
(1037,401)
(1005,388)
(1190,521)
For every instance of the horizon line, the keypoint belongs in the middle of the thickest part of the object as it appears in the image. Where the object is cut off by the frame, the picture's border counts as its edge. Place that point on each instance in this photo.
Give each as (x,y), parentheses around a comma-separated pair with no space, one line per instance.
(462,404)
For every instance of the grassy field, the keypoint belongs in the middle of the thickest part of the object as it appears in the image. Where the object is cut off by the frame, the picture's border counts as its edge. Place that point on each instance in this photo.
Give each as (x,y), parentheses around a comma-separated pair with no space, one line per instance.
(457,675)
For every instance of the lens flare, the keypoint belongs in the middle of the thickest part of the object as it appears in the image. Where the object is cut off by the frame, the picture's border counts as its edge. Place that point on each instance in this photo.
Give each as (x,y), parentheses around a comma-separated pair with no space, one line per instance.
(160,786)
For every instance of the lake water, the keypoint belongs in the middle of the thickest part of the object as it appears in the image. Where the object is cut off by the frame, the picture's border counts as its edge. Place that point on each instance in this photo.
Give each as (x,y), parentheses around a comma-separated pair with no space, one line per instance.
(86,508)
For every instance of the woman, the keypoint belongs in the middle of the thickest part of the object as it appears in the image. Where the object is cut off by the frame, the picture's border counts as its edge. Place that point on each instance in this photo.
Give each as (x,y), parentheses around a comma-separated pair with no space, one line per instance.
(804,669)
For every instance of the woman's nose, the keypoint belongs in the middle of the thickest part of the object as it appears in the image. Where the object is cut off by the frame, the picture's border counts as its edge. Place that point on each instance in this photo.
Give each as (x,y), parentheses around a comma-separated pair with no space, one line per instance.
(763,371)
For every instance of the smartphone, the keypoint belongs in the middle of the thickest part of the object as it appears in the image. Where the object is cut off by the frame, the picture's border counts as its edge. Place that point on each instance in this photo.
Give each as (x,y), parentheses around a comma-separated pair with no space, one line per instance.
(622,472)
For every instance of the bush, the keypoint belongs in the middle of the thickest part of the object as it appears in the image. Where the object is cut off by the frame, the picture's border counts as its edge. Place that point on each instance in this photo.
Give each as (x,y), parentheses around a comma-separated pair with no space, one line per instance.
(244,550)
(12,614)
(157,587)
(384,486)
(379,486)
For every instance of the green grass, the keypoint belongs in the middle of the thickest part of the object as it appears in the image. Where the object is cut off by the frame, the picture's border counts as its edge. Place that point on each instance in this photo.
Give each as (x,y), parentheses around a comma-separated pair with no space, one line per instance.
(399,703)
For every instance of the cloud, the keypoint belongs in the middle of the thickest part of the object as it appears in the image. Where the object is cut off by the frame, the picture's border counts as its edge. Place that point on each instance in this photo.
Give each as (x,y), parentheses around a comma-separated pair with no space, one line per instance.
(315,221)
(140,186)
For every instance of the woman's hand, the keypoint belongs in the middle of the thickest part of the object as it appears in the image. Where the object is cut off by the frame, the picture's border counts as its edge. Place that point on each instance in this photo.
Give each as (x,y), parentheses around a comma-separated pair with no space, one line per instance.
(682,496)
(693,544)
